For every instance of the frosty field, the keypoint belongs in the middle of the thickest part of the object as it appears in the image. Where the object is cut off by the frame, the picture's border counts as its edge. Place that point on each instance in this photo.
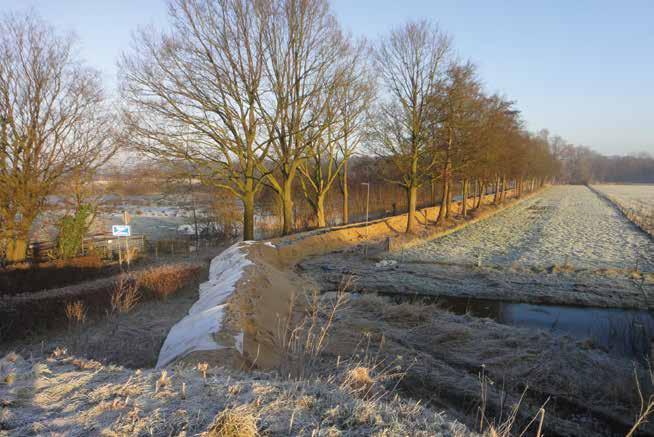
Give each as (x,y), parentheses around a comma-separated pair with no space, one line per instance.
(564,226)
(636,201)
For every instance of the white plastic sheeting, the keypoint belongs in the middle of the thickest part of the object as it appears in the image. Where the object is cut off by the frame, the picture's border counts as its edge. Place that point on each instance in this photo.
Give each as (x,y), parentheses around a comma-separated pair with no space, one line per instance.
(195,332)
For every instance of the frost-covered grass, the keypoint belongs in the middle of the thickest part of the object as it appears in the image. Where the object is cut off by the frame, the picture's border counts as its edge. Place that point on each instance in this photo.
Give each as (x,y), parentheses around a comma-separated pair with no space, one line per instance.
(636,201)
(64,395)
(564,226)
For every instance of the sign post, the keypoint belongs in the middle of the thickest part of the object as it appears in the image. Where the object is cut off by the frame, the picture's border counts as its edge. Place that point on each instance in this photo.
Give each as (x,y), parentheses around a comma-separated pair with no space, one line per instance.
(122,231)
(126,219)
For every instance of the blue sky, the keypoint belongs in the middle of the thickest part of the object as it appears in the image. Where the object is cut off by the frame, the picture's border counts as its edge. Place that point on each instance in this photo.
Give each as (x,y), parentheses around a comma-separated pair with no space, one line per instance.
(582,69)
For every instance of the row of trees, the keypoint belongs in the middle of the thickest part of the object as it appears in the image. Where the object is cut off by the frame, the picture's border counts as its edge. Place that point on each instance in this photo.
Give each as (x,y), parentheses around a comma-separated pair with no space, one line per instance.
(254,94)
(251,96)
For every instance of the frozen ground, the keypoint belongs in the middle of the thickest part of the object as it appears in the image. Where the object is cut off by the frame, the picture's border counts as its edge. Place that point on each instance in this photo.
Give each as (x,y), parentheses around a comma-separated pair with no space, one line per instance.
(565,225)
(64,395)
(636,196)
(636,201)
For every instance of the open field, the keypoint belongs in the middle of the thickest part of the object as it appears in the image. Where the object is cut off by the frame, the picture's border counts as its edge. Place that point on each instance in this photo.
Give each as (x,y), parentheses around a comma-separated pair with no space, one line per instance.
(565,246)
(635,201)
(566,225)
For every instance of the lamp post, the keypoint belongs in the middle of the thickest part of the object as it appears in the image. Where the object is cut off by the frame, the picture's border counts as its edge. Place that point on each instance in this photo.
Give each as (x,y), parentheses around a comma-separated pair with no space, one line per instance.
(367,184)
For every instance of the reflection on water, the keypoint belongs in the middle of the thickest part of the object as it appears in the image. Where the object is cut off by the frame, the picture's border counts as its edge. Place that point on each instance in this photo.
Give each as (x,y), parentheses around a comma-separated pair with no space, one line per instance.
(621,332)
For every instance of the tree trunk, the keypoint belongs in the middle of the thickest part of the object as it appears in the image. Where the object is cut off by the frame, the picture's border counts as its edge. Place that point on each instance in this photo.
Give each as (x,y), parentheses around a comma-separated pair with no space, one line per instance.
(504,188)
(450,192)
(482,189)
(248,216)
(17,249)
(496,198)
(464,204)
(503,192)
(320,210)
(18,240)
(442,212)
(412,193)
(346,194)
(287,207)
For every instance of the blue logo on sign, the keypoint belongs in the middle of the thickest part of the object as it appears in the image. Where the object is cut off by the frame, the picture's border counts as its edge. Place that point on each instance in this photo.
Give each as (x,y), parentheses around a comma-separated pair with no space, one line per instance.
(120,230)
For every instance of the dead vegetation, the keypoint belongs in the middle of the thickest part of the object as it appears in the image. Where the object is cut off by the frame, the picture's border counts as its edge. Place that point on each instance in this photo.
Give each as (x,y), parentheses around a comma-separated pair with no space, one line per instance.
(504,376)
(76,312)
(162,281)
(126,294)
(121,321)
(234,422)
(31,315)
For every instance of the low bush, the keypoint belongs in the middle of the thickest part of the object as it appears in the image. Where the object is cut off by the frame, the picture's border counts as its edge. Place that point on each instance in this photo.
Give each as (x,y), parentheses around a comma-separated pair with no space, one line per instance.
(160,282)
(29,315)
(28,278)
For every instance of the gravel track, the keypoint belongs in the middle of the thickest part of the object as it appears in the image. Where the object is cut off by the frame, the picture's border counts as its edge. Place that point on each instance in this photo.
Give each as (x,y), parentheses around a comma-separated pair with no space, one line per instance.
(564,224)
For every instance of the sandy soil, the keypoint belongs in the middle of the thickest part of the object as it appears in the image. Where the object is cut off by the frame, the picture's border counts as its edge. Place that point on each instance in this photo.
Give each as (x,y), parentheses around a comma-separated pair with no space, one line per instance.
(566,225)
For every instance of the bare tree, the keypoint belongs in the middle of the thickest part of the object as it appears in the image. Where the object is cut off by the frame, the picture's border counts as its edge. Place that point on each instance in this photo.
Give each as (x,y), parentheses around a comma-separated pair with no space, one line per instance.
(457,108)
(327,157)
(193,95)
(355,100)
(53,122)
(411,62)
(304,46)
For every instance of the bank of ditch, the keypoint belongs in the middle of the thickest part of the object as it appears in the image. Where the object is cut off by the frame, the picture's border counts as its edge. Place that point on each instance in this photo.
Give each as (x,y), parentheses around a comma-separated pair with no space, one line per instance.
(255,293)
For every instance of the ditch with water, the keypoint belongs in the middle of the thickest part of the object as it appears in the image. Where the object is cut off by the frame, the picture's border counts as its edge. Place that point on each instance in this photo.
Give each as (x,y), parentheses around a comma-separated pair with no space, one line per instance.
(620,332)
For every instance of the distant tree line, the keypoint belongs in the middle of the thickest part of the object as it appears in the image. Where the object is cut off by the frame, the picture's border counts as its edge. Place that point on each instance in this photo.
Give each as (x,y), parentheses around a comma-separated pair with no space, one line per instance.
(581,165)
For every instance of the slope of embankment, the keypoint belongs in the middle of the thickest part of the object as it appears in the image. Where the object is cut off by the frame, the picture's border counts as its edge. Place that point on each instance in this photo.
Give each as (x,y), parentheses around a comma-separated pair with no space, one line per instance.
(254,295)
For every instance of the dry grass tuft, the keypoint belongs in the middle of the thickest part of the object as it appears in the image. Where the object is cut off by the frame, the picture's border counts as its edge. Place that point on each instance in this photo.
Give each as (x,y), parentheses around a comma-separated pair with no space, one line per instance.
(10,378)
(202,368)
(304,343)
(76,312)
(359,379)
(84,364)
(59,352)
(163,381)
(126,294)
(234,422)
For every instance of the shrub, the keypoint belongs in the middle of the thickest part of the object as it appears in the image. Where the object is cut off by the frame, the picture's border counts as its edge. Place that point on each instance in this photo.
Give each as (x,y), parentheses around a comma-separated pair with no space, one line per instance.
(76,312)
(126,294)
(165,280)
(81,262)
(72,229)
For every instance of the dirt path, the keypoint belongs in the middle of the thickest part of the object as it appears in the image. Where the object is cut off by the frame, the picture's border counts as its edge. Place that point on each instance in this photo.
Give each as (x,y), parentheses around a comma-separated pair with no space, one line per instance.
(566,225)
